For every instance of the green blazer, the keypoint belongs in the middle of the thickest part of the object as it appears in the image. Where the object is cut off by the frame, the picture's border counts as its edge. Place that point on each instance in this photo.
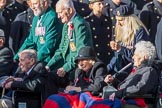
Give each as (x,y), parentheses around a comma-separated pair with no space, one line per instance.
(47,43)
(64,56)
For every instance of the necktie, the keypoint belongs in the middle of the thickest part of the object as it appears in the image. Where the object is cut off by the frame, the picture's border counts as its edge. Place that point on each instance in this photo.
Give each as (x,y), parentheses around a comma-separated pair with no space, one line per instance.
(25,76)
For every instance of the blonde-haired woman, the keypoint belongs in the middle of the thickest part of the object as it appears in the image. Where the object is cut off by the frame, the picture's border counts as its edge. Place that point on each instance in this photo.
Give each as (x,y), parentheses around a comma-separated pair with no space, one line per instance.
(128,31)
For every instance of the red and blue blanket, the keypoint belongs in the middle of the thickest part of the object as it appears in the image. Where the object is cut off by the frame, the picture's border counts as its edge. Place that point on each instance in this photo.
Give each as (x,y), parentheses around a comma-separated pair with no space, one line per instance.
(85,100)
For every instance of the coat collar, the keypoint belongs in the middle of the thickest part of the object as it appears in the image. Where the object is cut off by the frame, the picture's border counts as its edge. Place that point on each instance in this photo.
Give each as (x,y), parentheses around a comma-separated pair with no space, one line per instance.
(71,20)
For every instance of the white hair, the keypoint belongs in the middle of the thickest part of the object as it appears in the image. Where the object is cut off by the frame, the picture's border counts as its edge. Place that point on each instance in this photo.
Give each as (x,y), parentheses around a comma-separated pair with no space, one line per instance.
(48,1)
(65,4)
(30,53)
(146,48)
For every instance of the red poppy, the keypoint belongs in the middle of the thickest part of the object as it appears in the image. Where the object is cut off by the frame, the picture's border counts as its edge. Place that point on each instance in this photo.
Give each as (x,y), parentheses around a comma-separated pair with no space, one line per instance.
(71,26)
(133,71)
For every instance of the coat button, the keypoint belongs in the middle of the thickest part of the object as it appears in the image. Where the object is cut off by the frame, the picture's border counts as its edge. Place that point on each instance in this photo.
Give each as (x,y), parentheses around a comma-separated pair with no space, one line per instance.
(82,9)
(95,37)
(92,20)
(81,1)
(96,45)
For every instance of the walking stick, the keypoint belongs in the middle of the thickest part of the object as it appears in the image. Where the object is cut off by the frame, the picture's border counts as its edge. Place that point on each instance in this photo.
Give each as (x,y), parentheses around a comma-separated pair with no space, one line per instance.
(3,92)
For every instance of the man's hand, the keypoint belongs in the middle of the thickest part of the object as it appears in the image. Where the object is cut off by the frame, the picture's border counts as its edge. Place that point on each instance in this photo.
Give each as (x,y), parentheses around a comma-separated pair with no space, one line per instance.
(8,85)
(47,68)
(61,72)
(18,79)
(10,78)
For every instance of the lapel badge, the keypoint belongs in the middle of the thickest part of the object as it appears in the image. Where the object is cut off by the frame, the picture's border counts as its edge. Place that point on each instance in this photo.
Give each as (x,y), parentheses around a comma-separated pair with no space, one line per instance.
(42,41)
(118,13)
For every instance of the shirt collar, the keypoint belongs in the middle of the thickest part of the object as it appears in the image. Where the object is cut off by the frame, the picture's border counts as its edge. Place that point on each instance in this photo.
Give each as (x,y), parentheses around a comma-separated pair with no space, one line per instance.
(30,70)
(72,18)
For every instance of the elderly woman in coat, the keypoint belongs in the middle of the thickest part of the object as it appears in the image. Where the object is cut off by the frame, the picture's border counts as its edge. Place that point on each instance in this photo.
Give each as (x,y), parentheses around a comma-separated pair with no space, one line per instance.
(89,75)
(144,74)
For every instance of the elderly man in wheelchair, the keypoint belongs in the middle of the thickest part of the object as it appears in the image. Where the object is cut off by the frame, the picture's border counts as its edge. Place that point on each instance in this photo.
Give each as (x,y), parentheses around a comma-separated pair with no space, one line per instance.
(25,85)
(142,83)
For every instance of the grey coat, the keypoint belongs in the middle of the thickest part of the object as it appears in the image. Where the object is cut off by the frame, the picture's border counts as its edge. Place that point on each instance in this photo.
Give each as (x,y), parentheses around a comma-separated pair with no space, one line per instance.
(143,81)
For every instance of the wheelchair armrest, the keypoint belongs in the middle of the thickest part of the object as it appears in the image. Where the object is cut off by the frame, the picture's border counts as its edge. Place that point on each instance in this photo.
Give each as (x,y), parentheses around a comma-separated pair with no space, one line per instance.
(96,93)
(23,91)
(146,96)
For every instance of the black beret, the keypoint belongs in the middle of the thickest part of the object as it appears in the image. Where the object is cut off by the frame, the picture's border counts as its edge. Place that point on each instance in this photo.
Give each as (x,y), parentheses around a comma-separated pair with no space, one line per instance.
(85,52)
(93,1)
(123,10)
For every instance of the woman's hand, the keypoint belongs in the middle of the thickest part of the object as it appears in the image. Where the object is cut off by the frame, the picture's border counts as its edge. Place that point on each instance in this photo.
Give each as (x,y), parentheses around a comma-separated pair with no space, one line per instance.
(115,45)
(109,78)
(112,97)
(72,88)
